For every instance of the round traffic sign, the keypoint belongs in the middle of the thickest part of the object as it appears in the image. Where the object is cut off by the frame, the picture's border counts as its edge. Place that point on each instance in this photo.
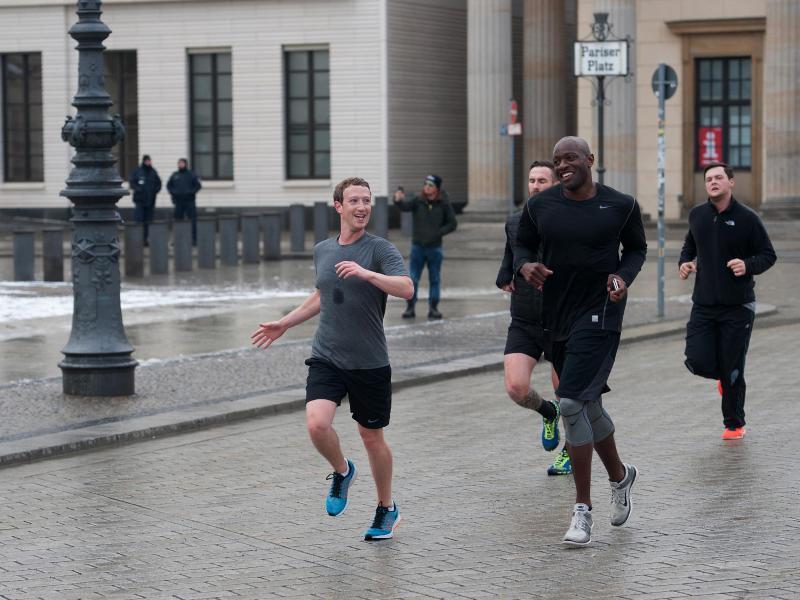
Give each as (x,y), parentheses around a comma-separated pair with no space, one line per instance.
(668,78)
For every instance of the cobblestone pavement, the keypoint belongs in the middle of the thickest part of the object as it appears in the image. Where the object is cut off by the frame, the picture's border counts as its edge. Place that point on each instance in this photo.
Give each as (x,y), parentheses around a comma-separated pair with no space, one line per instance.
(237,511)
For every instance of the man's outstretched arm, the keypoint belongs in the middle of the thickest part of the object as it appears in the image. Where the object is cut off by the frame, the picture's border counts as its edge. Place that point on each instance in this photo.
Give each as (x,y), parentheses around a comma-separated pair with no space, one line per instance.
(269,332)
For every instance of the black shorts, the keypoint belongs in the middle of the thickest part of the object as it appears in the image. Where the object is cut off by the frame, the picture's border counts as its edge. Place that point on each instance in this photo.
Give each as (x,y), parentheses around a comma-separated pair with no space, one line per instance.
(526,338)
(369,390)
(583,363)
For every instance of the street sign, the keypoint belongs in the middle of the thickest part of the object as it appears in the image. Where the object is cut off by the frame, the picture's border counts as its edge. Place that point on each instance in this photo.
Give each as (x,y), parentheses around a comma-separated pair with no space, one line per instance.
(670,82)
(514,129)
(601,59)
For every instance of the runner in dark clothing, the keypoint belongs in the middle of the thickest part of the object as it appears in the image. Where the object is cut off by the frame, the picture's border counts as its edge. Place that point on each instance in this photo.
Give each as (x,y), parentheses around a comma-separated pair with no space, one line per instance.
(726,245)
(526,343)
(579,227)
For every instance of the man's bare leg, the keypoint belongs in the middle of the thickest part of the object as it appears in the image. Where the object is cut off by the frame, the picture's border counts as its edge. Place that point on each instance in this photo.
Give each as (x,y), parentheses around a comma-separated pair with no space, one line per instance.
(319,420)
(607,451)
(581,457)
(380,462)
(518,368)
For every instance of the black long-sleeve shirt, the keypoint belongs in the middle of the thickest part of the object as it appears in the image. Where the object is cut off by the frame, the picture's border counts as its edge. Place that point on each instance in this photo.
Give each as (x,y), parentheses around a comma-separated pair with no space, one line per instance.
(580,243)
(526,300)
(716,238)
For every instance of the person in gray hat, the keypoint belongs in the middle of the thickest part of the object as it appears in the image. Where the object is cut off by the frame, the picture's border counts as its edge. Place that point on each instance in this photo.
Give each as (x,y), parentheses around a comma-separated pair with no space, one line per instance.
(433,219)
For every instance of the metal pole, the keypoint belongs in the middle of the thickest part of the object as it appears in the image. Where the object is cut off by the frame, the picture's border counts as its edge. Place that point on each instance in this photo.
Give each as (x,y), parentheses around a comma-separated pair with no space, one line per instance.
(97,357)
(511,174)
(601,100)
(662,101)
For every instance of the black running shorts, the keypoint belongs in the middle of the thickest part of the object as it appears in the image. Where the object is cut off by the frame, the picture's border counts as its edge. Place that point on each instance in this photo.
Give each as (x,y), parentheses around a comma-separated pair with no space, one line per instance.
(583,363)
(369,390)
(526,338)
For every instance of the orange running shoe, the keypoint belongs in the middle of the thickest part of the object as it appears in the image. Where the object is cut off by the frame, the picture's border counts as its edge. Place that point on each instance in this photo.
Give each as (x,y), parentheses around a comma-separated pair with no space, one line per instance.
(733,434)
(719,387)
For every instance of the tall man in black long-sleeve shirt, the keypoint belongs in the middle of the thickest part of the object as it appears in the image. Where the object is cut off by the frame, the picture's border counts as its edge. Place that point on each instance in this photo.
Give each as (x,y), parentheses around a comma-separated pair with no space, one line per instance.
(580,226)
(726,245)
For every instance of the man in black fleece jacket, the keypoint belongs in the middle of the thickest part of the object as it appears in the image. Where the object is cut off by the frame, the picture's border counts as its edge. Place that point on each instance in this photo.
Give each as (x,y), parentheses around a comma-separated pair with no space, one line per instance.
(525,342)
(726,245)
(434,218)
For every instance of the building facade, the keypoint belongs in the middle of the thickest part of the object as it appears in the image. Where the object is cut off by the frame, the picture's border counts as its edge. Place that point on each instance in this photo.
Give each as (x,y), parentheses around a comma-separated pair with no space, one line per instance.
(273,101)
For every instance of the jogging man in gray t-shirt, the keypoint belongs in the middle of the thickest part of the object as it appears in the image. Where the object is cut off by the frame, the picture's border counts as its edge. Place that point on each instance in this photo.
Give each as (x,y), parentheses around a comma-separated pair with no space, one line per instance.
(356,271)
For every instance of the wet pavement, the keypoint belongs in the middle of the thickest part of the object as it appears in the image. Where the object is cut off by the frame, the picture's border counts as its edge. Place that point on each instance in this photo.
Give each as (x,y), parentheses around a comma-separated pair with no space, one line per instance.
(237,511)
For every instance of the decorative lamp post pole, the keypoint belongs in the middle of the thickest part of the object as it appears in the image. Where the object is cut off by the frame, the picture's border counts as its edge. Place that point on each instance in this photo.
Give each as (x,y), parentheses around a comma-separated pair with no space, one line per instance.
(97,357)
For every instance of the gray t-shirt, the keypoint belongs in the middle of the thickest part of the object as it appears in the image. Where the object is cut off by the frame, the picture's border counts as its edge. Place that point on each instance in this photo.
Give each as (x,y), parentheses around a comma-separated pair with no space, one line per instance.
(350,333)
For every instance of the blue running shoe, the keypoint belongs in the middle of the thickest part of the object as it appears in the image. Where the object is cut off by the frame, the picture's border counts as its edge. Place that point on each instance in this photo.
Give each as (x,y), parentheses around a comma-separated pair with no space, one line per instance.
(384,524)
(336,501)
(550,435)
(561,465)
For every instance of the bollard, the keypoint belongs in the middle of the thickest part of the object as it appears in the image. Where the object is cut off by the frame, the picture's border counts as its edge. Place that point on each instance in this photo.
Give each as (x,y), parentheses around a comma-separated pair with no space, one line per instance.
(182,245)
(23,255)
(228,242)
(321,218)
(271,227)
(380,217)
(134,250)
(207,243)
(250,227)
(407,224)
(157,240)
(297,228)
(53,254)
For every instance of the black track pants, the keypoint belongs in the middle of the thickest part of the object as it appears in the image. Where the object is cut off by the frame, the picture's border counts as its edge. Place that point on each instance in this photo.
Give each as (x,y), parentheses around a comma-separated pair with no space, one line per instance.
(717,338)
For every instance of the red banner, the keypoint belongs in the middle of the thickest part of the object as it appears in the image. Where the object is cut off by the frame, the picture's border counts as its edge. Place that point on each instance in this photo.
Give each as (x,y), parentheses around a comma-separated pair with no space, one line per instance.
(710,145)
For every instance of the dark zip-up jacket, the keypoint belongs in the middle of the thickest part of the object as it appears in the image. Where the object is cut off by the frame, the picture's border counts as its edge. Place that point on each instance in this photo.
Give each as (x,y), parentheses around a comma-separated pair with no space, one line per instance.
(580,242)
(183,186)
(145,183)
(716,238)
(526,300)
(432,220)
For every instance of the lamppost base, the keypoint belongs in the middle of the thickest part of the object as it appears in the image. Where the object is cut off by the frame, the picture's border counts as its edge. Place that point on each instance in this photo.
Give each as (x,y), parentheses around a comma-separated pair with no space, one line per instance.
(82,378)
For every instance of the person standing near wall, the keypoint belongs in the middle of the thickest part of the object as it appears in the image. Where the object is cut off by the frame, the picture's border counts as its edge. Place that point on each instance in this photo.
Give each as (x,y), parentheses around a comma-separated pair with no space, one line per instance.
(183,186)
(145,184)
(434,218)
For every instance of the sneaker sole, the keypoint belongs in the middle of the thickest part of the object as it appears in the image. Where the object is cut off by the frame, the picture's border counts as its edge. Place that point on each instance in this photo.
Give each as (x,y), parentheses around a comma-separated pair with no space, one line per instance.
(386,536)
(630,498)
(553,473)
(572,544)
(347,502)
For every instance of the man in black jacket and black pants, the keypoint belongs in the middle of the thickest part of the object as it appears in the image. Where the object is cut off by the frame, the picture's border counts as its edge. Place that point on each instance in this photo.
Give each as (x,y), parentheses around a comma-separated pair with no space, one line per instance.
(726,245)
(145,184)
(183,186)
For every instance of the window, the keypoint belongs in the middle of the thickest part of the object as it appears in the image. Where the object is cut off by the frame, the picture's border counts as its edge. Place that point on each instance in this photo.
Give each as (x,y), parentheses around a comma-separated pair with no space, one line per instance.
(307,114)
(23,151)
(724,125)
(121,85)
(211,114)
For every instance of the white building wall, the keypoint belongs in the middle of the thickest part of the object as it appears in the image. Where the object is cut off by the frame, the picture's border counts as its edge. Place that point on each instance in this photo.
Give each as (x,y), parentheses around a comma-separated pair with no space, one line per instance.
(256,32)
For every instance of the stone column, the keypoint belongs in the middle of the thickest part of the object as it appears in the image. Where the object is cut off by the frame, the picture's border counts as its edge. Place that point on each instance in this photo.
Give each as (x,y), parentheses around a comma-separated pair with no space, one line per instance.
(782,109)
(488,94)
(620,112)
(549,87)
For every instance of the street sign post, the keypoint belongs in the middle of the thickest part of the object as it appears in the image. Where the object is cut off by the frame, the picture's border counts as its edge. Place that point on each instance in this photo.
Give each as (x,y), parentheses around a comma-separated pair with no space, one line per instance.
(601,58)
(664,84)
(511,129)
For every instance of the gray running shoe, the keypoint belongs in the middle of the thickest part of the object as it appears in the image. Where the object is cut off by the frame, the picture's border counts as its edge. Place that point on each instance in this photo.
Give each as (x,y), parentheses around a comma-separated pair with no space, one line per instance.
(621,503)
(580,528)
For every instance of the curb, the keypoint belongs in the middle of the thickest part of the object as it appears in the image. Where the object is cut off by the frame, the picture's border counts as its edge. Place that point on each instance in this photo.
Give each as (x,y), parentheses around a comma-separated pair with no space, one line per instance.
(135,429)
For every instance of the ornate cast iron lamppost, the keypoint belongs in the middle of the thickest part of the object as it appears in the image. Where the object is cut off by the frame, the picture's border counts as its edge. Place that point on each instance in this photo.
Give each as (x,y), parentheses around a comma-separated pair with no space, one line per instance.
(97,358)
